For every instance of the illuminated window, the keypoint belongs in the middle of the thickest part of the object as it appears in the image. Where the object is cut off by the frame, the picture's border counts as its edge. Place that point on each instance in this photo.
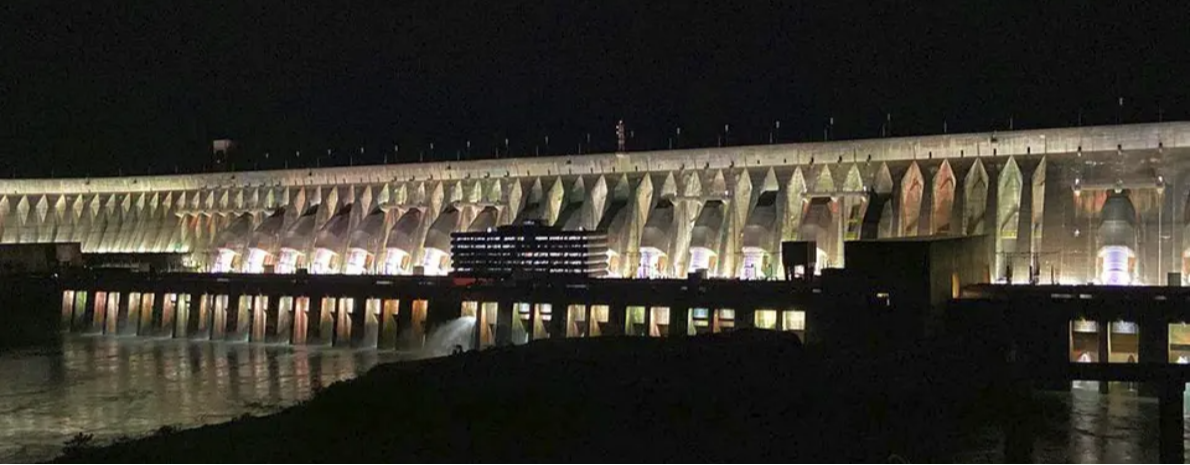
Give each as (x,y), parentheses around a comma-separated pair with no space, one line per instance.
(1123,342)
(660,315)
(636,315)
(1084,341)
(765,319)
(793,320)
(599,313)
(1179,343)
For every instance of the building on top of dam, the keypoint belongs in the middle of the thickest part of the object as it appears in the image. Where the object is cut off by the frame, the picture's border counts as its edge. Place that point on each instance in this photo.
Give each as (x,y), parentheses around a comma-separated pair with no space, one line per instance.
(1103,204)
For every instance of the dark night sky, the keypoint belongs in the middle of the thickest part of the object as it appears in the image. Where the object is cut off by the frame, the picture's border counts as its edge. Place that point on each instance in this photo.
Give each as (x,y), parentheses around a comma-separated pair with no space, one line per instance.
(90,89)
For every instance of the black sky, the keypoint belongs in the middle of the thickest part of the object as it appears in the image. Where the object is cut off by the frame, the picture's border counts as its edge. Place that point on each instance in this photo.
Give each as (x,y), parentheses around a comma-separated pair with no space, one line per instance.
(91,89)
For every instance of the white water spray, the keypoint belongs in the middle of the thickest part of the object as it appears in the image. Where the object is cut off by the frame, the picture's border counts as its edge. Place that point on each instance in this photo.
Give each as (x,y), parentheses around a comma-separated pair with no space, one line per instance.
(456,333)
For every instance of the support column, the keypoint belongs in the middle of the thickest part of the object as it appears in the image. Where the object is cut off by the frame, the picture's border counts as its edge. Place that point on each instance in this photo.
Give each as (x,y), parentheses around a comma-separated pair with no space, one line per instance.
(169,314)
(327,319)
(197,311)
(232,323)
(314,320)
(388,323)
(66,310)
(617,319)
(504,316)
(405,333)
(1154,349)
(745,318)
(559,320)
(122,314)
(1024,236)
(209,318)
(1171,405)
(156,316)
(649,321)
(273,330)
(299,327)
(83,324)
(679,320)
(359,321)
(531,328)
(182,315)
(1104,353)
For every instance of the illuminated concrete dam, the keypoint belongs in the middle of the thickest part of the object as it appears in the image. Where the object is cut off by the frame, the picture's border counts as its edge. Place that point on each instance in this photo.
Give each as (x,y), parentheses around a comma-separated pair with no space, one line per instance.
(1091,204)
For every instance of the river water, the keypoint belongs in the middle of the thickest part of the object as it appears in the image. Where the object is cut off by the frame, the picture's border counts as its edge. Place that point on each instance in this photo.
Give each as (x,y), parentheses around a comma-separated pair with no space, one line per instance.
(112,387)
(1083,426)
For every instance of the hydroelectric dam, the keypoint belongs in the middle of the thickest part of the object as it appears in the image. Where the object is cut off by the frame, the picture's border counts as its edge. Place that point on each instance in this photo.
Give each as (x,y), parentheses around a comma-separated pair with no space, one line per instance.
(1104,204)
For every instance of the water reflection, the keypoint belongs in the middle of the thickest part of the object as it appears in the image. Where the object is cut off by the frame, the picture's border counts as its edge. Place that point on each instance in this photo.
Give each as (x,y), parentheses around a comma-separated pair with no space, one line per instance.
(1083,426)
(111,387)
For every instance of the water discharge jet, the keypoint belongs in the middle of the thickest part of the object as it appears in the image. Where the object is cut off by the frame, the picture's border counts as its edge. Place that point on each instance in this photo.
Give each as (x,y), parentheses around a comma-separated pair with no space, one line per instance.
(445,338)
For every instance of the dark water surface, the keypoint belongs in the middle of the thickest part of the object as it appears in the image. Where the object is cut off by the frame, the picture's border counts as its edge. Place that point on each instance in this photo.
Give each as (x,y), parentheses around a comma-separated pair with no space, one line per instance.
(112,387)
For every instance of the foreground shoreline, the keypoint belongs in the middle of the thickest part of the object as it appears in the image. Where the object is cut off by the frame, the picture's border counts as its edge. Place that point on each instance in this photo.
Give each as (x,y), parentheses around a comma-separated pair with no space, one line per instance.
(751,395)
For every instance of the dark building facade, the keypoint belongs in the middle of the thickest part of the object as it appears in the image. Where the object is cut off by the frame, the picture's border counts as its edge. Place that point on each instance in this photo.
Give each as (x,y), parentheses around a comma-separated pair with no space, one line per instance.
(529,249)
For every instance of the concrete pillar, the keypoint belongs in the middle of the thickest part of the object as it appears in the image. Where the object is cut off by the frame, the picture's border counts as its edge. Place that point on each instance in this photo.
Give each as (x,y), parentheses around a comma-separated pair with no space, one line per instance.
(745,318)
(1024,236)
(617,319)
(194,322)
(504,316)
(1154,342)
(314,320)
(88,313)
(477,330)
(326,320)
(156,315)
(1171,405)
(107,317)
(1154,347)
(341,335)
(358,318)
(182,315)
(1104,353)
(232,323)
(271,313)
(169,314)
(147,319)
(122,315)
(531,328)
(67,310)
(209,317)
(559,320)
(649,321)
(388,323)
(405,338)
(218,306)
(925,216)
(279,322)
(679,320)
